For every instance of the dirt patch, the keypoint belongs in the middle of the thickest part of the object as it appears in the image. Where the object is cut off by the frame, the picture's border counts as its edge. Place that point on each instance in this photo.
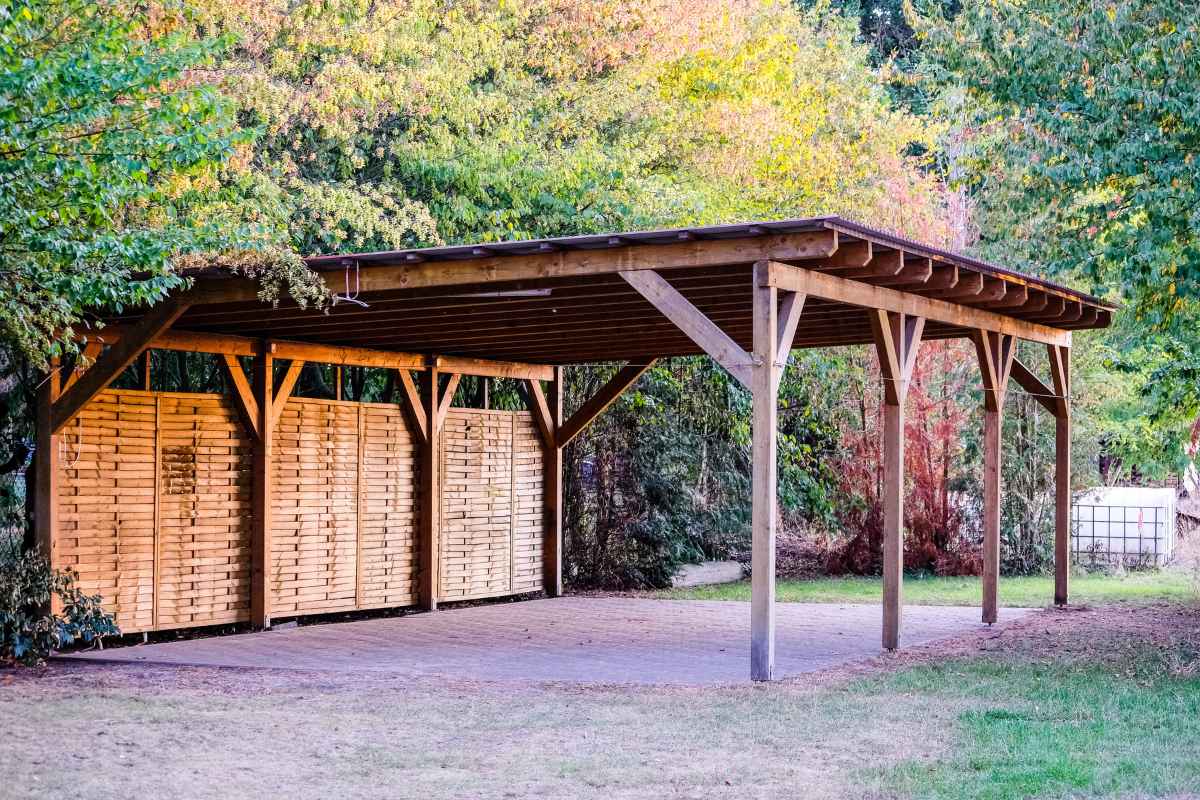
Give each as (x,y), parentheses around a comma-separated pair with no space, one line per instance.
(1109,635)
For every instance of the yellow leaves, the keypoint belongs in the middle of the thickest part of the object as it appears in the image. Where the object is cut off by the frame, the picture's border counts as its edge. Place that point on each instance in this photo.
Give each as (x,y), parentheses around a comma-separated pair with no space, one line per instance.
(25,15)
(1111,13)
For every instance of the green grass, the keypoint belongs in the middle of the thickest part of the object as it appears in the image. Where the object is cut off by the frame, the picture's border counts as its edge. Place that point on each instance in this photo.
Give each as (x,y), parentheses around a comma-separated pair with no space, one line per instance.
(1025,591)
(1036,730)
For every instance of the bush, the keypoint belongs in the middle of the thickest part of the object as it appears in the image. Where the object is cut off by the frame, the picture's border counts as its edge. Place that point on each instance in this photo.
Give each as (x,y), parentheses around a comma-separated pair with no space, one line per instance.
(28,631)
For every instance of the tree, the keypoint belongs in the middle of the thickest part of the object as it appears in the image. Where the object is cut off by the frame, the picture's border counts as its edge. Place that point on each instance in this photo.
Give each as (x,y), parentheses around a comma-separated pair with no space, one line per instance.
(400,123)
(1082,123)
(110,154)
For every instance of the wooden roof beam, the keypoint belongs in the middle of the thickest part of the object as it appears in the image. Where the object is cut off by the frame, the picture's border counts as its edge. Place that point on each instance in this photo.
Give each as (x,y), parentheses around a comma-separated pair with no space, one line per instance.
(831,287)
(557,264)
(916,271)
(229,345)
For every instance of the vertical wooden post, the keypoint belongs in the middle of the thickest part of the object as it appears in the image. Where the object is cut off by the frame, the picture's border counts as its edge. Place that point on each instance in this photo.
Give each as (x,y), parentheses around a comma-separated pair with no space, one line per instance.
(263,467)
(897,338)
(552,534)
(430,493)
(995,352)
(763,475)
(1060,373)
(991,514)
(46,503)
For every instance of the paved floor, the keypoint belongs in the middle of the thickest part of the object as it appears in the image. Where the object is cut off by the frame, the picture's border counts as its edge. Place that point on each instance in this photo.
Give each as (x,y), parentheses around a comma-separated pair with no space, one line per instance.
(571,639)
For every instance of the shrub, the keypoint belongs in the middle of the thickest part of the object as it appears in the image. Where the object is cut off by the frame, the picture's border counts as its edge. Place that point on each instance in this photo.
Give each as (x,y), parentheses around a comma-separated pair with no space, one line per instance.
(28,629)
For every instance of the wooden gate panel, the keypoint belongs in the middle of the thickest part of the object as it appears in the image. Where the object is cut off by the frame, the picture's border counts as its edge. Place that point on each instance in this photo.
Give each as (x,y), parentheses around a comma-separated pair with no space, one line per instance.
(204,512)
(315,508)
(530,506)
(388,523)
(477,493)
(107,504)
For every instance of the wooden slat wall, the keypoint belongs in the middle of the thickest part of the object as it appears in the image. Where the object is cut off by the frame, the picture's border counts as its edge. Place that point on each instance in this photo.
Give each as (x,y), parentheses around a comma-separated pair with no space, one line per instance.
(204,513)
(315,508)
(530,508)
(477,508)
(388,550)
(491,504)
(107,508)
(155,507)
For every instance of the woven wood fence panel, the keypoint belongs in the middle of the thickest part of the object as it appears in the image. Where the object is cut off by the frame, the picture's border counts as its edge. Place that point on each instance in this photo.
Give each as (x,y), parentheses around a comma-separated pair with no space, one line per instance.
(204,512)
(388,552)
(155,507)
(106,504)
(315,508)
(530,508)
(489,499)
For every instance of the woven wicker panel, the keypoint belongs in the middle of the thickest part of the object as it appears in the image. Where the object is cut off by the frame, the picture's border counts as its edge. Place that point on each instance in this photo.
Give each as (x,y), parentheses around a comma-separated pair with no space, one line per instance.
(387,527)
(530,507)
(315,507)
(477,516)
(204,512)
(106,504)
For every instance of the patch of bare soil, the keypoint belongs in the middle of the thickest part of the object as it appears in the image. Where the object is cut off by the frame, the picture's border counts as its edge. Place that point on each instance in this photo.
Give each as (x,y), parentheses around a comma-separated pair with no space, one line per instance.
(1111,635)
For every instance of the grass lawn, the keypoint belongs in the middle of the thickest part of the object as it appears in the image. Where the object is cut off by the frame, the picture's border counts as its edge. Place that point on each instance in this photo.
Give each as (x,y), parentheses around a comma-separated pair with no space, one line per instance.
(1017,592)
(1094,703)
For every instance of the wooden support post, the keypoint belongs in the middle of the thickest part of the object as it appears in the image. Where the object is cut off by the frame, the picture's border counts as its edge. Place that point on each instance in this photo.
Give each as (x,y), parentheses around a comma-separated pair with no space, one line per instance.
(429,491)
(47,466)
(552,540)
(263,467)
(995,352)
(1060,373)
(897,338)
(763,482)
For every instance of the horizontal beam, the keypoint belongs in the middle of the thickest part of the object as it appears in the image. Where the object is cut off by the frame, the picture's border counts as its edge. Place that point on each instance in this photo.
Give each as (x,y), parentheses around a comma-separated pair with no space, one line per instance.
(830,287)
(555,264)
(227,344)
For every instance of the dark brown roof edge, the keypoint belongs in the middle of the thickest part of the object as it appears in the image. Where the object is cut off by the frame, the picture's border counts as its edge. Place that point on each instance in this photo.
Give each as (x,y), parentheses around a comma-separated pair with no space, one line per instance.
(853,228)
(601,241)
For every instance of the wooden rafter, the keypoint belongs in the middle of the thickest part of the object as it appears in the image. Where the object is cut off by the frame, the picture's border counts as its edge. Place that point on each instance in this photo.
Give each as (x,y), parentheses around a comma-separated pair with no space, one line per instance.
(689,319)
(113,362)
(596,404)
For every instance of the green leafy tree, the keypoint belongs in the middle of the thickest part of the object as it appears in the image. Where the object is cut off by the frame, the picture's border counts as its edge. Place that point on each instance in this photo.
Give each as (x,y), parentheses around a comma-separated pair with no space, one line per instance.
(1082,124)
(110,154)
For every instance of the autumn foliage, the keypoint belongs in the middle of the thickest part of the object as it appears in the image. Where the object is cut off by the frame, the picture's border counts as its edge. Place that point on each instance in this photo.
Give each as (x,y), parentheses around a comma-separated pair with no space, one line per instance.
(937,536)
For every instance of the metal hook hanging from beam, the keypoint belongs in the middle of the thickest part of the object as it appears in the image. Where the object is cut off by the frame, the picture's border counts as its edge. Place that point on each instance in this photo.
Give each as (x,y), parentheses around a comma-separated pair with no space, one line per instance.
(348,297)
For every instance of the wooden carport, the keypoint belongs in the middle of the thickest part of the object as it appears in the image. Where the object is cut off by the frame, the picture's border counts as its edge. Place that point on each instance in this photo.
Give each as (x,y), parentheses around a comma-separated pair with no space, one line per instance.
(743,294)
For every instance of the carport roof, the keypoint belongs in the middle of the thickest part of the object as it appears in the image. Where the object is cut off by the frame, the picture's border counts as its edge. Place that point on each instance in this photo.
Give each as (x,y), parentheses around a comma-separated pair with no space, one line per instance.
(564,300)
